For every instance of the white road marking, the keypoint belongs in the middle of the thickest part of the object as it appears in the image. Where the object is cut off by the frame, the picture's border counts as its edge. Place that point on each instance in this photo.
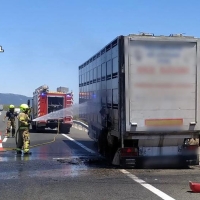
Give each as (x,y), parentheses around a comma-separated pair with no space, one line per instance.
(5,139)
(159,193)
(154,190)
(78,143)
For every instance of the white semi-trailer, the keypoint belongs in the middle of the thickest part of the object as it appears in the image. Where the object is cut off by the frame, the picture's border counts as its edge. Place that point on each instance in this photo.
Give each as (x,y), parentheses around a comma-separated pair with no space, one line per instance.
(142,98)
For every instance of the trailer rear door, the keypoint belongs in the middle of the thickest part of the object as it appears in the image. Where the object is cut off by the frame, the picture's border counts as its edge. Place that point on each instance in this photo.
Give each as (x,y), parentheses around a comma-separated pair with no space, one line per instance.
(161,83)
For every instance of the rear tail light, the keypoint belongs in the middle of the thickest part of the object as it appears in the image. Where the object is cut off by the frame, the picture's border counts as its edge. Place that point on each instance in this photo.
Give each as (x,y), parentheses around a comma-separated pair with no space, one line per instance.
(191,147)
(129,151)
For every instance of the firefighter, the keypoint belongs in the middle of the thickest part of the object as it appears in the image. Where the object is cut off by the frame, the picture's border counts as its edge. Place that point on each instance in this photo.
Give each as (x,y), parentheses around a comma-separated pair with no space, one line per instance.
(23,138)
(11,114)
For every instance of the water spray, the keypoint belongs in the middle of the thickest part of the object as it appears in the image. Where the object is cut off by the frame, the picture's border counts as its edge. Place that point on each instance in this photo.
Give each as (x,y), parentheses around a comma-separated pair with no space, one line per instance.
(73,110)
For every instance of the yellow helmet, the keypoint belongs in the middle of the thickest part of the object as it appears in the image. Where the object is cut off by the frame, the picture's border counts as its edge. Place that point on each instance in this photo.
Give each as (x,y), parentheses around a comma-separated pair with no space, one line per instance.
(23,107)
(11,106)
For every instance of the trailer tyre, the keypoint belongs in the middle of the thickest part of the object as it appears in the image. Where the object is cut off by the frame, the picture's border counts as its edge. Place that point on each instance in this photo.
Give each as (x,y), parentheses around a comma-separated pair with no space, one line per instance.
(105,148)
(100,145)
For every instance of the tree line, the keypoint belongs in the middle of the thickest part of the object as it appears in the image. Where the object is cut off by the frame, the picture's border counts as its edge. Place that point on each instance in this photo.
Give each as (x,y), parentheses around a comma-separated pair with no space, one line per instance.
(6,107)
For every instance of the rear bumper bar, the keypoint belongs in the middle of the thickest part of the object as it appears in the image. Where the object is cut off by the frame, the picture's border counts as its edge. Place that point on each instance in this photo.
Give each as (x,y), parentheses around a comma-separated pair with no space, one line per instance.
(159,161)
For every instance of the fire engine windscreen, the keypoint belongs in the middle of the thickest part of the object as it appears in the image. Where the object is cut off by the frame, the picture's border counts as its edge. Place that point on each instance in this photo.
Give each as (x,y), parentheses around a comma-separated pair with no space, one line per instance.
(55,103)
(73,110)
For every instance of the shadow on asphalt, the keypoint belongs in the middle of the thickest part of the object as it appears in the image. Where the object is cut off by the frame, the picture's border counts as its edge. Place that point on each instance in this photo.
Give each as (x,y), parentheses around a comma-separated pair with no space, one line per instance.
(46,131)
(190,192)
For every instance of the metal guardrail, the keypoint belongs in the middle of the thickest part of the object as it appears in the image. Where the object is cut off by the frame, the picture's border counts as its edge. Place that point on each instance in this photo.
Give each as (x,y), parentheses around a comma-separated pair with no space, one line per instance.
(80,125)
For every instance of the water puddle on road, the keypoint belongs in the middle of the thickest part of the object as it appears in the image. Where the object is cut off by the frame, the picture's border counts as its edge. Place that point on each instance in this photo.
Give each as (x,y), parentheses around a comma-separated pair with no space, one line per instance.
(19,167)
(12,156)
(89,161)
(66,158)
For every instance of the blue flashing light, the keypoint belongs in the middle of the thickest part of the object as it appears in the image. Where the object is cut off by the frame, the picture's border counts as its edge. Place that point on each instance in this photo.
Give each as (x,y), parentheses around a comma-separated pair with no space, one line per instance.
(68,95)
(42,94)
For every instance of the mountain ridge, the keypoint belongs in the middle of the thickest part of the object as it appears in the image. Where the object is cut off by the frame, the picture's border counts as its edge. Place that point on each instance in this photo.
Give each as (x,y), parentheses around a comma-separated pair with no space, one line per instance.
(15,99)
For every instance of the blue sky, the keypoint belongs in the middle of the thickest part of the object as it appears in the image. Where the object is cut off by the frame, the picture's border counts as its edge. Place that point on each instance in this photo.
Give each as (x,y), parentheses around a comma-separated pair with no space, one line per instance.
(46,40)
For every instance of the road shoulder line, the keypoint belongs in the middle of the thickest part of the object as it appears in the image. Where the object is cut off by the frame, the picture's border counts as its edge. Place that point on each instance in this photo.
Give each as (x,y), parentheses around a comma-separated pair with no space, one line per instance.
(151,188)
(78,143)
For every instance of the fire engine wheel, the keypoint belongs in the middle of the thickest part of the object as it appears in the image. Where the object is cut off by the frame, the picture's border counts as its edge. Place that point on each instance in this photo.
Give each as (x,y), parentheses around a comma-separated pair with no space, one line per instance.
(64,129)
(40,130)
(33,127)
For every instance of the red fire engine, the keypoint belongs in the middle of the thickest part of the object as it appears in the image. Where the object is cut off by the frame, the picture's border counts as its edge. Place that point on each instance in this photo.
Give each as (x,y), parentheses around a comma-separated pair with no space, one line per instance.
(45,102)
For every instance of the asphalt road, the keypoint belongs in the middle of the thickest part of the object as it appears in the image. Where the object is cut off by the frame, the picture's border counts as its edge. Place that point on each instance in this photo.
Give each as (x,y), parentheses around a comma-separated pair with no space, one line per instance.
(69,167)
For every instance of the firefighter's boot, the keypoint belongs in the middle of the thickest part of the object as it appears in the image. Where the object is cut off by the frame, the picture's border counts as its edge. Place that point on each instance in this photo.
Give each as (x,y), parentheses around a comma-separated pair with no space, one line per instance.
(19,151)
(26,146)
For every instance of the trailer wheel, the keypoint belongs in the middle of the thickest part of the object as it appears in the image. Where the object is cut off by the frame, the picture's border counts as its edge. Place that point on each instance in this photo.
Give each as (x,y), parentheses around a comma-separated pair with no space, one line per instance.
(102,142)
(197,161)
(100,145)
(111,149)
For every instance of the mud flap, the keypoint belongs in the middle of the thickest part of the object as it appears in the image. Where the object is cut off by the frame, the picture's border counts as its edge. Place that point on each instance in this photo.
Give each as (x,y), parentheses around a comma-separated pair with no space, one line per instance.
(116,159)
